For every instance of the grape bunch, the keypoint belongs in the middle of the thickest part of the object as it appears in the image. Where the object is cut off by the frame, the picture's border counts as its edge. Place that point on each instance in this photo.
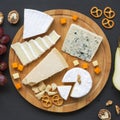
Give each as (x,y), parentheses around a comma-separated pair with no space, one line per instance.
(4,39)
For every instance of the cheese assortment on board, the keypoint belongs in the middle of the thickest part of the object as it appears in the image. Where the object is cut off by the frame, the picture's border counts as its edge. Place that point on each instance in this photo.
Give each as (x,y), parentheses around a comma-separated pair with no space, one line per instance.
(34,48)
(81,43)
(35,23)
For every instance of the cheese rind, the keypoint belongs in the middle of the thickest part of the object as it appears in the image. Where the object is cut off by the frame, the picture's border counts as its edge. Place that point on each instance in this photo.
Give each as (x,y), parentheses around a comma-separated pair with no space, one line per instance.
(80,88)
(53,63)
(81,43)
(64,91)
(35,23)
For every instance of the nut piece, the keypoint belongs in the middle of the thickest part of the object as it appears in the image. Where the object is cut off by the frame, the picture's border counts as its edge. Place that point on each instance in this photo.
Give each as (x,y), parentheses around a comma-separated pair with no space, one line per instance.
(109,102)
(13,17)
(104,114)
(1,18)
(117,108)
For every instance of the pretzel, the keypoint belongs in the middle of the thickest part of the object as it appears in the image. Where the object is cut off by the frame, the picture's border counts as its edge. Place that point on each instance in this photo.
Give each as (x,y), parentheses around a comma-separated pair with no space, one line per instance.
(109,13)
(46,101)
(57,100)
(96,12)
(108,23)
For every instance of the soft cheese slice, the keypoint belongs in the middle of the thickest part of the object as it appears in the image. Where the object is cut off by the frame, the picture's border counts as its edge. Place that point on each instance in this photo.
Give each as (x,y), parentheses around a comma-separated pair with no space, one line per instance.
(81,86)
(48,41)
(21,53)
(30,52)
(64,91)
(54,36)
(81,43)
(41,42)
(35,23)
(52,64)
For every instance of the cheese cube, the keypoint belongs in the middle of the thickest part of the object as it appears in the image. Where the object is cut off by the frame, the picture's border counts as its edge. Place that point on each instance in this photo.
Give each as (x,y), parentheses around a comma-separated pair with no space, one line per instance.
(74,17)
(75,62)
(63,21)
(14,65)
(18,86)
(16,76)
(20,67)
(95,63)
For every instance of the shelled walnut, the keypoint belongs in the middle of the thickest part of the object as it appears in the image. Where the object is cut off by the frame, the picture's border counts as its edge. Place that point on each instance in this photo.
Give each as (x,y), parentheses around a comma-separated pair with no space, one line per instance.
(117,108)
(109,102)
(104,114)
(1,18)
(13,17)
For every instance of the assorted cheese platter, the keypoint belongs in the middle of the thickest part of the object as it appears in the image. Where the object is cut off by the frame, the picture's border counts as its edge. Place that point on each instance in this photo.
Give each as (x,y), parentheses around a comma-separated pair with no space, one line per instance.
(68,69)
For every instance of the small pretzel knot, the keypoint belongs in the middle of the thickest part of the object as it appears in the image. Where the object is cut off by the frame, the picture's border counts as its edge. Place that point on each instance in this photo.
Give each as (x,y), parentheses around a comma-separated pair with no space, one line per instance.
(109,13)
(57,100)
(96,12)
(108,23)
(46,102)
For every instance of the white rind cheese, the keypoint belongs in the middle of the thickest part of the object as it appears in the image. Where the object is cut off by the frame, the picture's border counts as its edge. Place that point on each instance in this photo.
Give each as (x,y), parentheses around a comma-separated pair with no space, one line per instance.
(64,91)
(33,49)
(52,64)
(81,88)
(81,43)
(35,23)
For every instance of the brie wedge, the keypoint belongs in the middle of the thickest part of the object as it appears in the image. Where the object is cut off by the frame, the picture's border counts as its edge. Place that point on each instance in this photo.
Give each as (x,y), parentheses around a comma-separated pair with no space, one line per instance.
(64,91)
(52,64)
(81,86)
(35,23)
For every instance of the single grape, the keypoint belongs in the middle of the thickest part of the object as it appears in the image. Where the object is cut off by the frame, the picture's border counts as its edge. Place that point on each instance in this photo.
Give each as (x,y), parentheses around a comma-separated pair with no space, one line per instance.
(3,80)
(5,39)
(3,49)
(3,66)
(1,32)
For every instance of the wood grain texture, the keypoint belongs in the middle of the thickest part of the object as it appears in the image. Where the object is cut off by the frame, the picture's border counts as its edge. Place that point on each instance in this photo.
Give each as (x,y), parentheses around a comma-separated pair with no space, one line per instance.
(103,56)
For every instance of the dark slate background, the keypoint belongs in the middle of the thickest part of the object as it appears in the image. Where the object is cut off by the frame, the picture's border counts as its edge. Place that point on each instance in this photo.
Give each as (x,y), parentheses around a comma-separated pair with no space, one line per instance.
(14,107)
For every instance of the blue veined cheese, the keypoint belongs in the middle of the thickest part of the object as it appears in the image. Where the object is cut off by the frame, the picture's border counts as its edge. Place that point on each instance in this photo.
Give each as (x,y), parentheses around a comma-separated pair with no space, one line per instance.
(81,43)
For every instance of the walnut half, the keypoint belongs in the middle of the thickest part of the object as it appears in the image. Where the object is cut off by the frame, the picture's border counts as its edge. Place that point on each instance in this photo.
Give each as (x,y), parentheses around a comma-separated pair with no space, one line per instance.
(1,18)
(104,114)
(13,17)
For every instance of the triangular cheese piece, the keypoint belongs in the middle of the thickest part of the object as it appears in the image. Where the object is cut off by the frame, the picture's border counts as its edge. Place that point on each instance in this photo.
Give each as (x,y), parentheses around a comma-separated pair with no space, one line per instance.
(35,23)
(53,63)
(64,91)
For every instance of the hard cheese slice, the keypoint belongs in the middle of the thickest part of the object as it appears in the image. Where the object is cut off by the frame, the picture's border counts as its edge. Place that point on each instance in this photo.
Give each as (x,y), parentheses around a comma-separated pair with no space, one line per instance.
(82,85)
(50,65)
(64,91)
(35,23)
(81,43)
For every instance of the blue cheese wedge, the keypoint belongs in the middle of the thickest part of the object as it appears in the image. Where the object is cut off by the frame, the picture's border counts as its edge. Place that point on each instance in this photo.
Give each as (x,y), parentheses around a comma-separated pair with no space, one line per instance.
(52,64)
(35,23)
(82,80)
(81,43)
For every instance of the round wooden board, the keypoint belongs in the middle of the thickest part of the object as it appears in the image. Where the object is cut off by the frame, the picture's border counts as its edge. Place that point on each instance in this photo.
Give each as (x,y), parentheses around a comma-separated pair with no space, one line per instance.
(103,56)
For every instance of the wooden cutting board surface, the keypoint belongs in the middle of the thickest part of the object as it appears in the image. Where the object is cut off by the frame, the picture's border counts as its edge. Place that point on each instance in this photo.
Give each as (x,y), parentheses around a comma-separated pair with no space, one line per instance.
(103,56)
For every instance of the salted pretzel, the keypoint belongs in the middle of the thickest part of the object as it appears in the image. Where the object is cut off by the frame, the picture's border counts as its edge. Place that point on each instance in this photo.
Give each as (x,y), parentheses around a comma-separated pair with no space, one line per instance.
(57,100)
(46,101)
(109,13)
(96,12)
(108,23)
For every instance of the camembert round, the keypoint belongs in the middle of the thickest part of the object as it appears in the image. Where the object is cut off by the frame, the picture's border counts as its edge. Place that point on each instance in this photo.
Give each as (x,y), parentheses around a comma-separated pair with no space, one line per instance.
(82,80)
